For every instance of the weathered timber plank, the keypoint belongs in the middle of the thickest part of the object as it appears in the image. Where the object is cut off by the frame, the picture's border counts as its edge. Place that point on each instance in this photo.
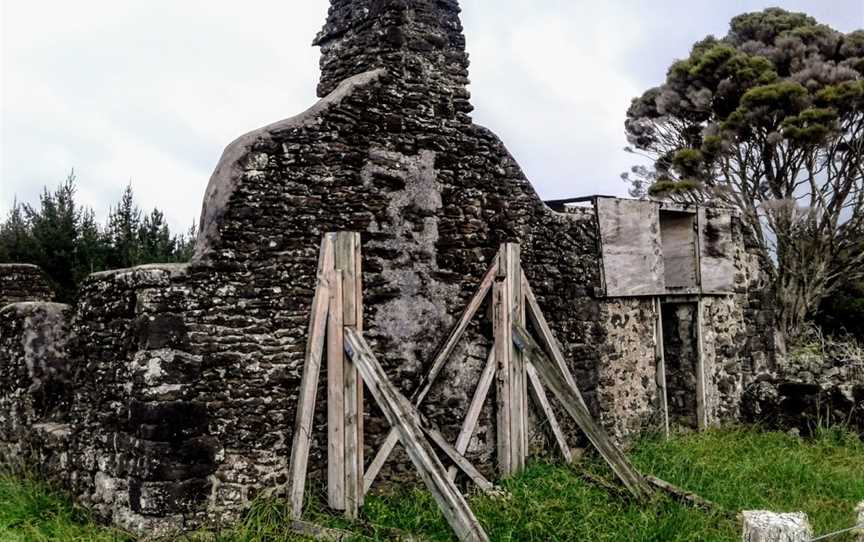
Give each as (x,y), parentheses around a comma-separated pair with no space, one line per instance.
(335,397)
(701,394)
(404,417)
(546,407)
(504,375)
(632,252)
(459,460)
(572,401)
(357,479)
(660,356)
(547,338)
(682,495)
(309,381)
(469,424)
(438,364)
(518,390)
(347,260)
(716,251)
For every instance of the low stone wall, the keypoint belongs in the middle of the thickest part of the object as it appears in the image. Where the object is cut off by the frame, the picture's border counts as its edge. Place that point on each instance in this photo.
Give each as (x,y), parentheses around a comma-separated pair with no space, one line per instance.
(35,385)
(804,397)
(23,282)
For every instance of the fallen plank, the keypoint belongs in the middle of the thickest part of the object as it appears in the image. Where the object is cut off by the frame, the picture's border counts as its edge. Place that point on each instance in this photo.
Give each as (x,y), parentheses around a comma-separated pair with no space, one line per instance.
(435,369)
(571,399)
(404,417)
(682,495)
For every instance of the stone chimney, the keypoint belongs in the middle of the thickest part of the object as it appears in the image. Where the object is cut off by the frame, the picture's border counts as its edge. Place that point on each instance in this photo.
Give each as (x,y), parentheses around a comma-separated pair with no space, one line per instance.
(419,42)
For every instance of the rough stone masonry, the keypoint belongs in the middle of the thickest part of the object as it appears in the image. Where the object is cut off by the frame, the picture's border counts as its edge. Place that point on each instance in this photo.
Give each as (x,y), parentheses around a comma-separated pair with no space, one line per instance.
(165,397)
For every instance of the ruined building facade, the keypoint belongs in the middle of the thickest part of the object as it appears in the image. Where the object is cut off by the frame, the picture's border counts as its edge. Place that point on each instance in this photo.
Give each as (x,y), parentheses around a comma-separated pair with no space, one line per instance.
(165,397)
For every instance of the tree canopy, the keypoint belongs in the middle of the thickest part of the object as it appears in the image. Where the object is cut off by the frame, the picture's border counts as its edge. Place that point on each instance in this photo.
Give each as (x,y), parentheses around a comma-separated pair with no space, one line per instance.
(770,121)
(66,241)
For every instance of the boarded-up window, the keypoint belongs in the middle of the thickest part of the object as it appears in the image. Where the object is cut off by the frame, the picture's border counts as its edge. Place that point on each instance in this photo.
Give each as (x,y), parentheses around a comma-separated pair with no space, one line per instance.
(632,251)
(717,258)
(678,235)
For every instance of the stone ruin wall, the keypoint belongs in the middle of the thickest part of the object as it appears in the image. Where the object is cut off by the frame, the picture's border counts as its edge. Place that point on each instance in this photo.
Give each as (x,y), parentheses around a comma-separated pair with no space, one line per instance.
(184,378)
(22,282)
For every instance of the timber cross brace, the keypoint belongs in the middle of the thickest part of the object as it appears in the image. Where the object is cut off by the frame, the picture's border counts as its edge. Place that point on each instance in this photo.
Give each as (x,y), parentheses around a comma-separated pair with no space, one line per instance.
(517,363)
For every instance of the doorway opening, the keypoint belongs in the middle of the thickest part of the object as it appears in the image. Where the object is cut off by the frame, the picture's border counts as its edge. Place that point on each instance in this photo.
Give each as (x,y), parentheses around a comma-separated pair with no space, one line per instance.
(681,363)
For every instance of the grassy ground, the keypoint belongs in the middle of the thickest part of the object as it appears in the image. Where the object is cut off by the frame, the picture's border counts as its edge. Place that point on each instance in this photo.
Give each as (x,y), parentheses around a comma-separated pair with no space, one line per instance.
(736,468)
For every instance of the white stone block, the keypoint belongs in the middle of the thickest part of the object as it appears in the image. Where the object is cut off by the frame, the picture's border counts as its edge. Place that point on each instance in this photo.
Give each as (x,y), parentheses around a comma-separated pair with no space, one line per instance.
(765,526)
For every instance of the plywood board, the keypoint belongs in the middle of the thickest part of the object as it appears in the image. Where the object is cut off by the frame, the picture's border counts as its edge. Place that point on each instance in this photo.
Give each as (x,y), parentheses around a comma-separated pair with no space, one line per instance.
(716,251)
(631,247)
(678,237)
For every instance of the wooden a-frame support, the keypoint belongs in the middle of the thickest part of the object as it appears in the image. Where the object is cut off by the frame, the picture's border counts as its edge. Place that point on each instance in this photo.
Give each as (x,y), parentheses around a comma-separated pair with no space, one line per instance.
(517,364)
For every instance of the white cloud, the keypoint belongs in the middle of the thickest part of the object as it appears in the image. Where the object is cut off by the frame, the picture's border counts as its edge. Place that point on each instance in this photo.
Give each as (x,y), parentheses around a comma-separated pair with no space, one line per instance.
(153,91)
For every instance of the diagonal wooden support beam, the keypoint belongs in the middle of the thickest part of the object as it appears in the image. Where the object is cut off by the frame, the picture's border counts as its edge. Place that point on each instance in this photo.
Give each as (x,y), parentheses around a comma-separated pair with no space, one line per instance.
(437,365)
(459,460)
(405,418)
(543,402)
(570,398)
(309,381)
(469,425)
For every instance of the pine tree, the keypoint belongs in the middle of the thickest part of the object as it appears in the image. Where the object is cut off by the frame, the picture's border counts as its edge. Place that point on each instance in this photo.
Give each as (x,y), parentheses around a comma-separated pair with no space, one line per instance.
(124,222)
(155,240)
(69,244)
(16,240)
(54,227)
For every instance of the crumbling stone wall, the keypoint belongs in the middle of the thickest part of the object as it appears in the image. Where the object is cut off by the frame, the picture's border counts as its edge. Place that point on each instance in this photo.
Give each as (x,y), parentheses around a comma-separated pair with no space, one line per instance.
(806,396)
(390,153)
(35,384)
(23,282)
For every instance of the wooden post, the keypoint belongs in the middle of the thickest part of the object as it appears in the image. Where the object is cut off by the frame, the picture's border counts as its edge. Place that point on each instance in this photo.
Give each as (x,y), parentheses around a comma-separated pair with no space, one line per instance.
(335,397)
(508,308)
(660,357)
(519,389)
(348,261)
(309,381)
(504,374)
(701,395)
(405,418)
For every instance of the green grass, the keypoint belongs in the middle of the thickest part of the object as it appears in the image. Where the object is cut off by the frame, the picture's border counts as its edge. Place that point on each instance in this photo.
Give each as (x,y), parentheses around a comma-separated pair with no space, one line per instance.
(33,511)
(736,468)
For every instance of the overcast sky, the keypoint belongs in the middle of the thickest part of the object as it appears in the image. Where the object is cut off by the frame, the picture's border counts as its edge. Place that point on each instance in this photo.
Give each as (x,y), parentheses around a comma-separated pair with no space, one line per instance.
(151,91)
